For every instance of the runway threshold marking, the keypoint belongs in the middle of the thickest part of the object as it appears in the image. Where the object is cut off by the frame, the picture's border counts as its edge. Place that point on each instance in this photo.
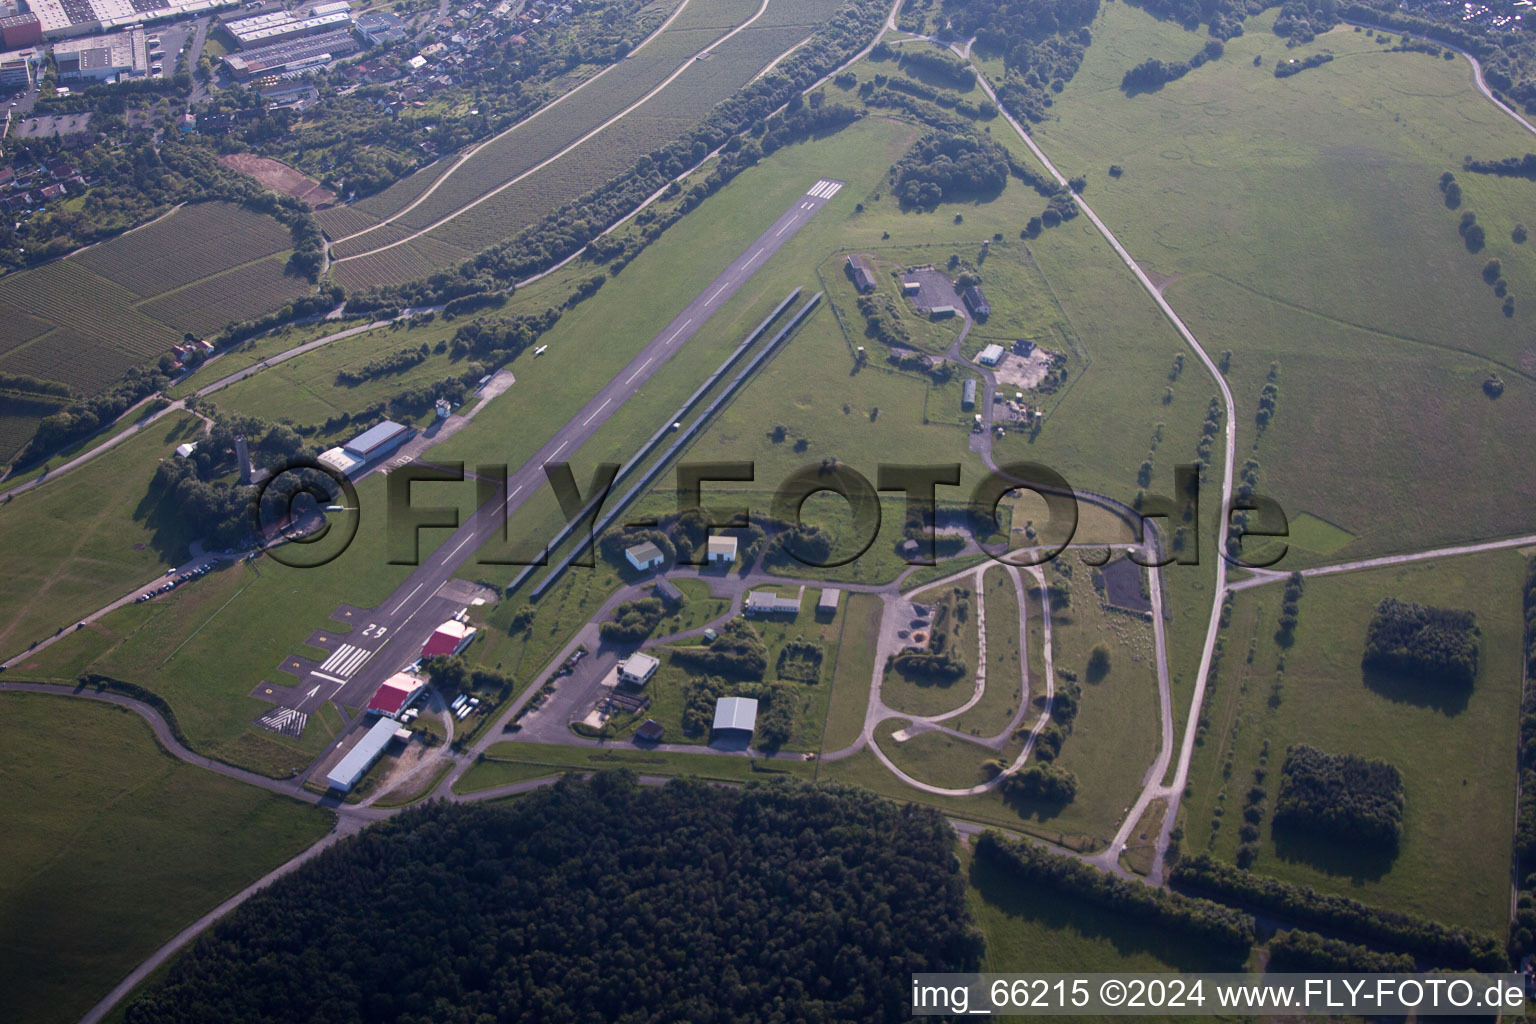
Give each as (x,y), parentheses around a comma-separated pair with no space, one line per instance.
(328,677)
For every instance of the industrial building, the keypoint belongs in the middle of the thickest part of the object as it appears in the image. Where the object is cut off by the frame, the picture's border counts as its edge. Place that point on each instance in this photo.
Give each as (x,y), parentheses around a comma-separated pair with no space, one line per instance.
(638,668)
(942,312)
(826,604)
(968,394)
(766,602)
(396,693)
(17,68)
(280,27)
(373,443)
(644,556)
(990,356)
(107,58)
(292,55)
(448,640)
(351,768)
(379,28)
(62,19)
(735,715)
(20,30)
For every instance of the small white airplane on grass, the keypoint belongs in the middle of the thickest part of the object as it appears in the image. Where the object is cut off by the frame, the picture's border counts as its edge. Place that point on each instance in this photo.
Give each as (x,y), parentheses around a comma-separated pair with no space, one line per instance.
(540,350)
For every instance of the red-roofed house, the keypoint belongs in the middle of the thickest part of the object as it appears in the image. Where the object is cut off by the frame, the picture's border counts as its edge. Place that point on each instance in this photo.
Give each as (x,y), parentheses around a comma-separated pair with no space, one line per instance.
(448,639)
(396,694)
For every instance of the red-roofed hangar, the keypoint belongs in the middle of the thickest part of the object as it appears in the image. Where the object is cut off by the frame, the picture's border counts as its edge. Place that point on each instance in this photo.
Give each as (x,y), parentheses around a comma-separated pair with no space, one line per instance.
(448,639)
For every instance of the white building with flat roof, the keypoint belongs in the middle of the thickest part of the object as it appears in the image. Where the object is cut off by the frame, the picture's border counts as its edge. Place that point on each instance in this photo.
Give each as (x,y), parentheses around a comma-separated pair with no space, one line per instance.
(736,714)
(990,356)
(350,770)
(638,668)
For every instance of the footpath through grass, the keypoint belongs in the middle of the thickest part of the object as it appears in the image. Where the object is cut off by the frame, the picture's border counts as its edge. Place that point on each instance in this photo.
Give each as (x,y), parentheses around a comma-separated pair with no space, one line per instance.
(112,846)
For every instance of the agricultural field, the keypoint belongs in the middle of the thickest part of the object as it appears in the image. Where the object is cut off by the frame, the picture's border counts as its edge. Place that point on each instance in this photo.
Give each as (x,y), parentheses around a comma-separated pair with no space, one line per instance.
(92,532)
(1277,213)
(197,241)
(501,209)
(85,319)
(114,846)
(1455,750)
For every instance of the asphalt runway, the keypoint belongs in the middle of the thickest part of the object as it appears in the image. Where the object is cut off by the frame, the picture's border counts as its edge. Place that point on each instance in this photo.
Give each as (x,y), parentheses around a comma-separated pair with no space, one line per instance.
(389,638)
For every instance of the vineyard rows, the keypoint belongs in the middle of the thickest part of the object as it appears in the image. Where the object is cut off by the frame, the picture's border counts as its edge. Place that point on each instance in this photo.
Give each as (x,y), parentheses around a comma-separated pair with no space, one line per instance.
(192,243)
(239,294)
(340,221)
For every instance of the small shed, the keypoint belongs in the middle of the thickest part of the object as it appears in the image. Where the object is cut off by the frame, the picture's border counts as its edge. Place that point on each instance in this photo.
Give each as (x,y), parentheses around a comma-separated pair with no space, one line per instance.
(722,549)
(651,731)
(826,604)
(644,555)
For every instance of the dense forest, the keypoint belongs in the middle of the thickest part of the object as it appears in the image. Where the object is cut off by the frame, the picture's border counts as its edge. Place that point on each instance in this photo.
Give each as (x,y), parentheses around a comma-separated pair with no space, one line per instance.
(1303,906)
(1439,644)
(596,900)
(1042,43)
(1348,797)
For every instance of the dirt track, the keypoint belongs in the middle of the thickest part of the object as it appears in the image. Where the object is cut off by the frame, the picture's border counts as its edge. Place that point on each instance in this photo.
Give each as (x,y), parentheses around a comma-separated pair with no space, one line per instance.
(279,177)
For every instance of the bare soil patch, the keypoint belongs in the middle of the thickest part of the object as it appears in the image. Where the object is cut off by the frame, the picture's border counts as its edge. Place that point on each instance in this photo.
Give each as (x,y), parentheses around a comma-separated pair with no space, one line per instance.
(279,177)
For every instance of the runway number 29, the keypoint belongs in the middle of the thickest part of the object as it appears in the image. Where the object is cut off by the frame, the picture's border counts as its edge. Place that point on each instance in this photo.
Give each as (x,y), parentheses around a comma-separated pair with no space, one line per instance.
(374,630)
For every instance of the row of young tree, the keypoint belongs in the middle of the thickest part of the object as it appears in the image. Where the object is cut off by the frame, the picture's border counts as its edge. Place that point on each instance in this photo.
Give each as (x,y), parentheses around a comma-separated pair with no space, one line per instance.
(1302,952)
(1031,864)
(1350,798)
(1522,932)
(1438,644)
(1305,907)
(596,900)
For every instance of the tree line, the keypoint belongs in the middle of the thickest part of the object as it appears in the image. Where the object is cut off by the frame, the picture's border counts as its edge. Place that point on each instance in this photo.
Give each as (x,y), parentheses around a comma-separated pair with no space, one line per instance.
(1153,74)
(1303,906)
(1228,930)
(596,900)
(1522,931)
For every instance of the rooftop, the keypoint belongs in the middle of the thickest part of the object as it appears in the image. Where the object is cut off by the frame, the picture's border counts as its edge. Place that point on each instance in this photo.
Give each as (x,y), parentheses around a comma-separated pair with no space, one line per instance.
(736,713)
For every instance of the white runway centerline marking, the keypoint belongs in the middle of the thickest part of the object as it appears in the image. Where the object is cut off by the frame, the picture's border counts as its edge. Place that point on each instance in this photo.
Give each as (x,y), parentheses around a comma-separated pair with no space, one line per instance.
(461,544)
(718,292)
(560,449)
(639,369)
(406,598)
(599,409)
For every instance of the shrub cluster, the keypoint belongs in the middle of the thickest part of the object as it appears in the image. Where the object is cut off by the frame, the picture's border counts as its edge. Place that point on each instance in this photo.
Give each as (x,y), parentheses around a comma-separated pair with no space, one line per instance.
(1302,905)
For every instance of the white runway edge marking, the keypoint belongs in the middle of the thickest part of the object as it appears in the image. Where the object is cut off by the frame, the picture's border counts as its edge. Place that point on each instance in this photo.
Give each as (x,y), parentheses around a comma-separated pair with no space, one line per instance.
(407,597)
(639,370)
(599,409)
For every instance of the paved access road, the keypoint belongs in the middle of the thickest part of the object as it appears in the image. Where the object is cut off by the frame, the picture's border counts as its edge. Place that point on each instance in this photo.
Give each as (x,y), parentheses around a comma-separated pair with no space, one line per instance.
(407,618)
